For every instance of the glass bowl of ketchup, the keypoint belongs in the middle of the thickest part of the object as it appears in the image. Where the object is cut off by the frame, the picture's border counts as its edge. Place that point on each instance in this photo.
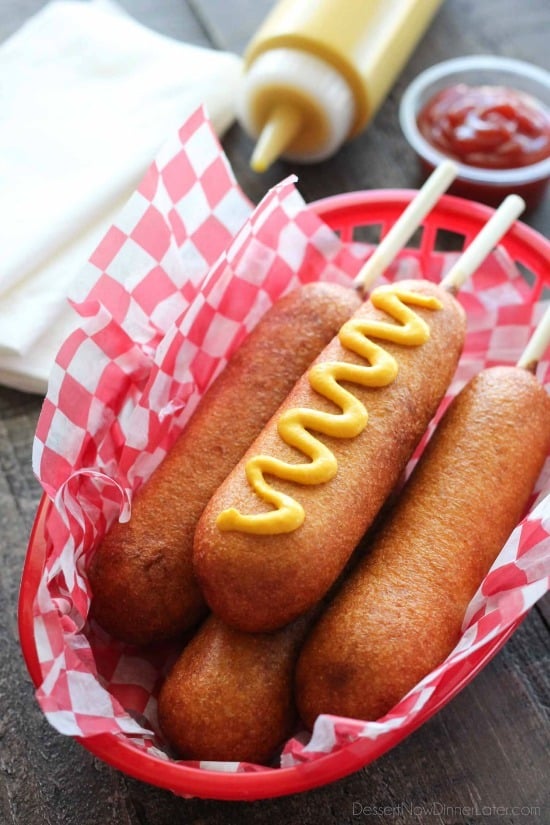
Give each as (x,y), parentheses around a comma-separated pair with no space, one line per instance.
(491,115)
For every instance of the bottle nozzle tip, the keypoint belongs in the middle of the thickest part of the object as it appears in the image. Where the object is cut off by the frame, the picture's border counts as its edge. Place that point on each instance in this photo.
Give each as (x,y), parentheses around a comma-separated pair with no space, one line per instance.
(277,134)
(259,162)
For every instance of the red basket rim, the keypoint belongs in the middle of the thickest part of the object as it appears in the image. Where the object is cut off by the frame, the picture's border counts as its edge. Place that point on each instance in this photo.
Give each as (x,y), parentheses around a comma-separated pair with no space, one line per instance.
(340,211)
(524,244)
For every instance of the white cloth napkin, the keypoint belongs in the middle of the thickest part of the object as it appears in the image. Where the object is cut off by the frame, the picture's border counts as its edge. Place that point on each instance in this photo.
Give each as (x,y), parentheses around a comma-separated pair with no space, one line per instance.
(87,97)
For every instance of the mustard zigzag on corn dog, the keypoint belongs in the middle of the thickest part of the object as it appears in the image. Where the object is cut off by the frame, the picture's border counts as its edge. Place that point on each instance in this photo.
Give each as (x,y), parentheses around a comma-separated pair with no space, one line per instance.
(294,425)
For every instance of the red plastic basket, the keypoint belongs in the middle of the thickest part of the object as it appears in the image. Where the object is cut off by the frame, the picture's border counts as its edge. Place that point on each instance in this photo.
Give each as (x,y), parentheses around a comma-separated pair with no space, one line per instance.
(344,213)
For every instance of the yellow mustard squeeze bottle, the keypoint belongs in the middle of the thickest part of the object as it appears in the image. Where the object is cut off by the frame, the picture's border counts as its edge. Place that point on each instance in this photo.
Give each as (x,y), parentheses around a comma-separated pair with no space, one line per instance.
(317,71)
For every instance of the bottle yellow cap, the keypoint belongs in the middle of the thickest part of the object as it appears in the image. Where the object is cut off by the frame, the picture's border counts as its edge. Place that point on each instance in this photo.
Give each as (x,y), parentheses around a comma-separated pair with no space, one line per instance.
(336,61)
(278,132)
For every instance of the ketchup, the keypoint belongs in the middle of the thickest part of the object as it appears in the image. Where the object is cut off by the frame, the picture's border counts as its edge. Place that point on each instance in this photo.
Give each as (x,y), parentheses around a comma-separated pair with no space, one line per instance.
(490,127)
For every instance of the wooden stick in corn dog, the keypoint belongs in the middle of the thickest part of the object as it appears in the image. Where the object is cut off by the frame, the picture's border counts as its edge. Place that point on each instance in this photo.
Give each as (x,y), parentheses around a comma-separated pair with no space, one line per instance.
(141,576)
(279,530)
(399,614)
(406,225)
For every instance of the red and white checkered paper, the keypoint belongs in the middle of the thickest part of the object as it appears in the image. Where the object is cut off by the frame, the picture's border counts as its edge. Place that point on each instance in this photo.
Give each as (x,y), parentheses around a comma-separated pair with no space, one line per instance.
(167,297)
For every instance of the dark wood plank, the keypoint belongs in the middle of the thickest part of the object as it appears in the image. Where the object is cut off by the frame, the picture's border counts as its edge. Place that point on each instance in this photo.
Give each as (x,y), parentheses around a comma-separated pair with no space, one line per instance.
(231,25)
(14,13)
(173,18)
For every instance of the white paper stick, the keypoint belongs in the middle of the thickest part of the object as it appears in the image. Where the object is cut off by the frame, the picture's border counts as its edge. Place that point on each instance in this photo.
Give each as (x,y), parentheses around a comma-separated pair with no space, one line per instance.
(408,222)
(537,344)
(483,243)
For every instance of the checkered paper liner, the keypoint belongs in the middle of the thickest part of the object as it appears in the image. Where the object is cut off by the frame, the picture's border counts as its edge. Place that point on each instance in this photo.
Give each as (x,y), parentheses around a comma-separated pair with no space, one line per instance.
(166,298)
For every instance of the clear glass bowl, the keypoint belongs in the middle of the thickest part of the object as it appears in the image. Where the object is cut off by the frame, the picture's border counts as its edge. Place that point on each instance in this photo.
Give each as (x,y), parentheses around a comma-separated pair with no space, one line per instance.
(486,185)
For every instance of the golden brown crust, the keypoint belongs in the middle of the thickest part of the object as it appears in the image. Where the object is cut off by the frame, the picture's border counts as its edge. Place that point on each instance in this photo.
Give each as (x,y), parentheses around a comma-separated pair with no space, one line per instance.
(260,582)
(141,575)
(400,613)
(230,694)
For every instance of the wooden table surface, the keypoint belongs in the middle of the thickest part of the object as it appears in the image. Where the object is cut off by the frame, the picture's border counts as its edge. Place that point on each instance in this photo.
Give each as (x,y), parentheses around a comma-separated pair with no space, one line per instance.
(485,757)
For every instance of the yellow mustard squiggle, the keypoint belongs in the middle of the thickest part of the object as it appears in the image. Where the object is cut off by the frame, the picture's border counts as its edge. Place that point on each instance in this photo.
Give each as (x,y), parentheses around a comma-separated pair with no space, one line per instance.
(294,425)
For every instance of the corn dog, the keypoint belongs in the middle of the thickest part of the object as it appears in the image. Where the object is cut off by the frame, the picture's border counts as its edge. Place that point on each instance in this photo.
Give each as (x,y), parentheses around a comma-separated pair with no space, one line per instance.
(264,556)
(400,613)
(230,694)
(141,575)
